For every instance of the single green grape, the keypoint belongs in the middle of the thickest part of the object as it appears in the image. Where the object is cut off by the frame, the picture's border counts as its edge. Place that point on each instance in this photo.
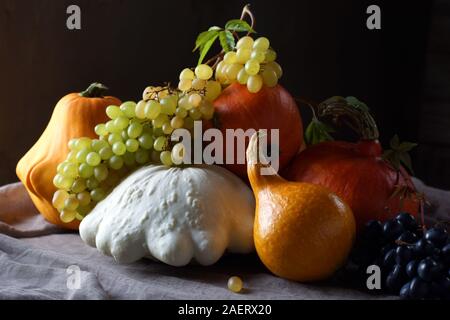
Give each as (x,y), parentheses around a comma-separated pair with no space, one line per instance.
(160,120)
(93,158)
(81,155)
(115,162)
(113,112)
(181,112)
(128,109)
(106,153)
(160,143)
(166,158)
(195,99)
(233,70)
(72,156)
(230,57)
(124,135)
(187,74)
(198,84)
(270,78)
(67,216)
(101,130)
(195,114)
(271,55)
(85,170)
(140,109)
(146,141)
(78,185)
(98,194)
(119,148)
(70,170)
(114,137)
(177,122)
(92,183)
(132,145)
(252,67)
(203,72)
(254,83)
(185,84)
(258,55)
(167,128)
(152,109)
(242,76)
(235,284)
(168,105)
(62,182)
(134,130)
(84,210)
(72,144)
(84,198)
(121,122)
(71,203)
(261,44)
(213,90)
(242,55)
(97,144)
(157,132)
(184,103)
(275,67)
(245,42)
(101,172)
(142,156)
(59,197)
(83,143)
(111,126)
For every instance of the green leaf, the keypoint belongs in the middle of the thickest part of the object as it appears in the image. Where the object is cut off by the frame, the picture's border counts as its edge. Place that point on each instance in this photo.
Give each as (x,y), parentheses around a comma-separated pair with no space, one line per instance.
(353,101)
(317,132)
(239,26)
(226,40)
(405,159)
(395,142)
(406,146)
(204,37)
(206,46)
(215,28)
(398,154)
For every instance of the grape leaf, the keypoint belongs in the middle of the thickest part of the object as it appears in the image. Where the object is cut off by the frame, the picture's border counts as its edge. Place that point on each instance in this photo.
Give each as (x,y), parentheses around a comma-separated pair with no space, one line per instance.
(226,40)
(238,26)
(204,37)
(317,132)
(353,101)
(206,46)
(215,28)
(398,154)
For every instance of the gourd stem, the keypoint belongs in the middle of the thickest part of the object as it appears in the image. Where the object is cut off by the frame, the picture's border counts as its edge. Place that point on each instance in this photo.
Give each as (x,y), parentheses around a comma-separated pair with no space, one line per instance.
(358,119)
(95,90)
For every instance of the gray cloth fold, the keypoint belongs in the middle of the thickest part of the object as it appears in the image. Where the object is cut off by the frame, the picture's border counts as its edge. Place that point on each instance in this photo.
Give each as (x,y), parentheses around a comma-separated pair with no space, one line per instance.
(37,261)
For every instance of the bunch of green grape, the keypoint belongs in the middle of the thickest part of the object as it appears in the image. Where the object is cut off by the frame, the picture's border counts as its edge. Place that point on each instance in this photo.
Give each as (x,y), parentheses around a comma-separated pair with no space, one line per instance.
(136,134)
(252,64)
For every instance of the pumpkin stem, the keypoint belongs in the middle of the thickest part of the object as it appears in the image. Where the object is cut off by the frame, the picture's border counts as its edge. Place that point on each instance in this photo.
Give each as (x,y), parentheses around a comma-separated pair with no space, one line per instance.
(353,113)
(259,171)
(95,90)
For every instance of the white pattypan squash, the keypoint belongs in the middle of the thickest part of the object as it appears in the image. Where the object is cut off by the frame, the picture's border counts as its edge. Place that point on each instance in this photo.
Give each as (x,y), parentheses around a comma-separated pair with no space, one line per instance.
(174,215)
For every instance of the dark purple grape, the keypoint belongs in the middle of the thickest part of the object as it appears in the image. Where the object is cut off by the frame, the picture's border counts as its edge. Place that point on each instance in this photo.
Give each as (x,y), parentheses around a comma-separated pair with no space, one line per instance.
(386,248)
(407,220)
(403,255)
(392,229)
(429,269)
(418,289)
(423,248)
(408,237)
(411,268)
(437,236)
(389,259)
(404,291)
(445,253)
(395,278)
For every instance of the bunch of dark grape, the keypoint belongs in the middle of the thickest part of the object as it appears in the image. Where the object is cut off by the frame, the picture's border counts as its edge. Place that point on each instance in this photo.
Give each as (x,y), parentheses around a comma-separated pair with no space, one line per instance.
(414,263)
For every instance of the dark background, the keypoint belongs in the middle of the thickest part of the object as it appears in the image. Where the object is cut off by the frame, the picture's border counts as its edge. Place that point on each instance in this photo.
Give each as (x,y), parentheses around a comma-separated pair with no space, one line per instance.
(402,71)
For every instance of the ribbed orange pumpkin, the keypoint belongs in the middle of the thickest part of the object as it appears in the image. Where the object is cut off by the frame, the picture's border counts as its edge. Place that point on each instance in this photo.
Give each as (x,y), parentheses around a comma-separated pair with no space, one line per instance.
(75,115)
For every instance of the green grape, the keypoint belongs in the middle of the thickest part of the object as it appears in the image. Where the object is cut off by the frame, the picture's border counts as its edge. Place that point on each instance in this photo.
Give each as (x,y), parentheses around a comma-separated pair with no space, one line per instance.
(140,109)
(167,128)
(106,153)
(242,55)
(254,83)
(71,203)
(78,185)
(157,132)
(160,120)
(181,112)
(177,153)
(114,137)
(220,71)
(59,197)
(155,156)
(61,166)
(233,70)
(203,72)
(258,56)
(185,85)
(115,162)
(67,216)
(252,67)
(230,57)
(206,109)
(72,156)
(168,105)
(83,143)
(261,44)
(72,144)
(98,194)
(132,145)
(166,158)
(160,143)
(113,112)
(93,158)
(82,154)
(146,141)
(128,109)
(245,42)
(187,74)
(195,114)
(242,76)
(101,172)
(92,183)
(119,148)
(195,99)
(184,103)
(275,67)
(177,122)
(101,130)
(97,144)
(270,56)
(129,159)
(198,84)
(142,156)
(111,126)
(84,210)
(134,130)
(85,170)
(147,128)
(62,182)
(269,77)
(84,198)
(213,90)
(152,109)
(124,135)
(121,122)
(188,123)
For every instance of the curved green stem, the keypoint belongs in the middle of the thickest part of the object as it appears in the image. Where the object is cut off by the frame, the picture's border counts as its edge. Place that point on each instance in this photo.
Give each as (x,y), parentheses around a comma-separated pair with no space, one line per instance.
(95,90)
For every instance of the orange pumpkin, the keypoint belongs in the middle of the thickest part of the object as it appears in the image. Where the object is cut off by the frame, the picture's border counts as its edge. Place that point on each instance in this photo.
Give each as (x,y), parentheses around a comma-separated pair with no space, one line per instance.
(75,115)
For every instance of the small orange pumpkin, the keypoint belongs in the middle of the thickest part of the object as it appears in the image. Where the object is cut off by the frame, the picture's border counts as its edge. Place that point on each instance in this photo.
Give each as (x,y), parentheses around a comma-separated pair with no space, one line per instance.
(75,115)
